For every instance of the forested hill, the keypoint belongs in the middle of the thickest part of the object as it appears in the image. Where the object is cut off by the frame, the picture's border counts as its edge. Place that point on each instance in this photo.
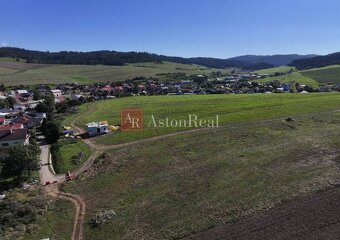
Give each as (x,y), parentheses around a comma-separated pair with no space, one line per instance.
(277,60)
(316,62)
(120,58)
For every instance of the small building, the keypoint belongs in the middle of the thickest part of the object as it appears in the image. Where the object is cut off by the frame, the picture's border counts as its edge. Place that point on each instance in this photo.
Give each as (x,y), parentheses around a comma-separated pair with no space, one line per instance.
(56,93)
(97,128)
(11,137)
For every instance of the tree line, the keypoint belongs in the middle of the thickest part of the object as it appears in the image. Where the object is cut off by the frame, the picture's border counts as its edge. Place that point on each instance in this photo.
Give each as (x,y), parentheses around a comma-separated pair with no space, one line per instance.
(317,62)
(115,58)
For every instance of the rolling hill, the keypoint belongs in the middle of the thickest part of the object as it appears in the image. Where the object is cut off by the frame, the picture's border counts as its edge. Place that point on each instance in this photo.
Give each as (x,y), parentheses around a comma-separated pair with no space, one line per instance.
(317,62)
(276,60)
(14,73)
(189,183)
(329,74)
(115,58)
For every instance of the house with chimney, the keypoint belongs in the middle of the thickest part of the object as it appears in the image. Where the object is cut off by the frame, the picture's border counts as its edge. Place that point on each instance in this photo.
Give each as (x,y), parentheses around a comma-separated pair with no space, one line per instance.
(10,137)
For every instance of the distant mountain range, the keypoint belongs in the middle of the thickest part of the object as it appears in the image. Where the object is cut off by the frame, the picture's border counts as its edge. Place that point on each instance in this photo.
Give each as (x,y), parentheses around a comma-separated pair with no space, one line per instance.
(248,62)
(316,62)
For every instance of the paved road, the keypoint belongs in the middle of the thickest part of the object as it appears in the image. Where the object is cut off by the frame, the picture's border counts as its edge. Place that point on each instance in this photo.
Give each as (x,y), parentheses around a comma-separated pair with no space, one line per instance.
(45,174)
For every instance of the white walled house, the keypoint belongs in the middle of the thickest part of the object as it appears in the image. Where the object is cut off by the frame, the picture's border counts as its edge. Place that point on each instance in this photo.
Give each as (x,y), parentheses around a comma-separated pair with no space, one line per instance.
(56,92)
(13,137)
(97,128)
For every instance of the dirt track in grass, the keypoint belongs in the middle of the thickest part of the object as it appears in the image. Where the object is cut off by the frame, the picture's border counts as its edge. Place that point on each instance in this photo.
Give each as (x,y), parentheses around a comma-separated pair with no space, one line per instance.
(314,216)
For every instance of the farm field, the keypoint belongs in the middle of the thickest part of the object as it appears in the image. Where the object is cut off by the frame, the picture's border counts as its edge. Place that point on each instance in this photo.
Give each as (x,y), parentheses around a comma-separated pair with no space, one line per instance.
(187,184)
(230,108)
(281,69)
(330,74)
(13,73)
(295,77)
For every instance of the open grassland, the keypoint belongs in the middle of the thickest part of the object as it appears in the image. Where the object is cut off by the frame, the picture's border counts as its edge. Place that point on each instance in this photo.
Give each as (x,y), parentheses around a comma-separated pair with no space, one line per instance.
(282,69)
(8,59)
(29,214)
(292,78)
(176,187)
(313,77)
(330,74)
(68,151)
(230,108)
(29,74)
(56,224)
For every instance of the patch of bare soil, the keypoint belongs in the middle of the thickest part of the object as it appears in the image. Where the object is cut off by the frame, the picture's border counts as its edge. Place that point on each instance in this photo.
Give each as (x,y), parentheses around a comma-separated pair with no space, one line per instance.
(313,216)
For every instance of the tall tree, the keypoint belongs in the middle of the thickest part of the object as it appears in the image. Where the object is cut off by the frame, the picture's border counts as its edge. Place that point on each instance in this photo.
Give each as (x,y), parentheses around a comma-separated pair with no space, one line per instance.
(21,161)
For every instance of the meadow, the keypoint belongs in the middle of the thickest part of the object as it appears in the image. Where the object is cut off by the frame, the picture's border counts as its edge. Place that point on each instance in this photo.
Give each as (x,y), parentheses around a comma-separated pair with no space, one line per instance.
(329,74)
(292,78)
(281,69)
(68,151)
(178,186)
(229,108)
(13,73)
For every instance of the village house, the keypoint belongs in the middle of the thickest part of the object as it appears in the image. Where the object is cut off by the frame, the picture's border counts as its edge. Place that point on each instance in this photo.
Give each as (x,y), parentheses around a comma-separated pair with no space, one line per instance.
(57,95)
(11,137)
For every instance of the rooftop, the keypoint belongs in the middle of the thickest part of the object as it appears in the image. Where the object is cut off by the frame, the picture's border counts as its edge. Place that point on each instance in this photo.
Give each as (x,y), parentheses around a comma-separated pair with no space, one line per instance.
(97,124)
(12,135)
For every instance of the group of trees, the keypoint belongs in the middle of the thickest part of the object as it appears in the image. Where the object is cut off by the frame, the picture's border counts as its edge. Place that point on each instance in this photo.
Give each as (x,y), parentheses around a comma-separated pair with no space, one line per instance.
(118,58)
(19,161)
(7,103)
(316,62)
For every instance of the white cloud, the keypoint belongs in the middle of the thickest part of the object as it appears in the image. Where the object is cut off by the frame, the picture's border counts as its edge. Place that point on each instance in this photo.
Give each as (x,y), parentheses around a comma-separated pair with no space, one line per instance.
(4,45)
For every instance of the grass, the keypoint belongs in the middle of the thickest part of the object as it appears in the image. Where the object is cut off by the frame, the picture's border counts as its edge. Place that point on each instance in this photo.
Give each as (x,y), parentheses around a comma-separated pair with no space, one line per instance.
(83,74)
(56,224)
(178,186)
(329,74)
(68,150)
(295,77)
(282,69)
(230,108)
(29,214)
(8,59)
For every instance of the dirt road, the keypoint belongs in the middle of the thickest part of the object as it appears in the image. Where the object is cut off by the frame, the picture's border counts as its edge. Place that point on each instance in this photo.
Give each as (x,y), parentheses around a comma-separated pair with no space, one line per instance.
(45,173)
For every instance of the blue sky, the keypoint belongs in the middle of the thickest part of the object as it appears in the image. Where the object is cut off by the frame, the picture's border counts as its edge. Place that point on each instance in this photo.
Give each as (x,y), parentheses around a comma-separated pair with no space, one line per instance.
(214,28)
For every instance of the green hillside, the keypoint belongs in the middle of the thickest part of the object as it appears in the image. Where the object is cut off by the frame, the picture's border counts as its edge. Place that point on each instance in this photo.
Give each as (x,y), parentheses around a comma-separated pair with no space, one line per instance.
(329,74)
(230,108)
(13,73)
(282,69)
(174,187)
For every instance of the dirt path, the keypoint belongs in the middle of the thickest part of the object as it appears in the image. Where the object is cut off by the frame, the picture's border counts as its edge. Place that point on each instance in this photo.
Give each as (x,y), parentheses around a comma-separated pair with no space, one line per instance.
(77,232)
(96,150)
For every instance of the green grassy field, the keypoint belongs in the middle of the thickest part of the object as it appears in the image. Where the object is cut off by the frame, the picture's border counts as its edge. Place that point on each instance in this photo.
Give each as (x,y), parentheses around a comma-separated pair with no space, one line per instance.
(172,188)
(29,214)
(295,77)
(69,150)
(8,59)
(330,74)
(29,74)
(230,108)
(282,69)
(56,224)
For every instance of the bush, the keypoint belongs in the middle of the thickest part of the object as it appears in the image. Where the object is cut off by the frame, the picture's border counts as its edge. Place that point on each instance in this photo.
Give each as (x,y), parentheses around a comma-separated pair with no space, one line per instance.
(56,157)
(102,218)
